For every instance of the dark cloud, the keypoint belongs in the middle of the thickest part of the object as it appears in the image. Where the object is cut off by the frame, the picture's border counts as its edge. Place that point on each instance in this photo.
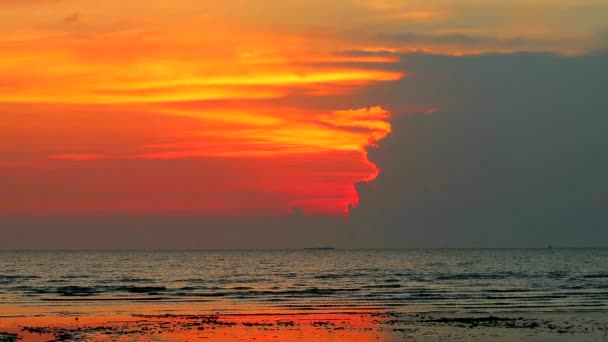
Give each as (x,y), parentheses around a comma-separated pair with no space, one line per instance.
(516,157)
(468,41)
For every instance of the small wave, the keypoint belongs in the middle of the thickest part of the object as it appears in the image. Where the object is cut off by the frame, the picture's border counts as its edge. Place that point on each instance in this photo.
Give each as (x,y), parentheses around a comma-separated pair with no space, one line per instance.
(508,290)
(596,276)
(203,294)
(328,276)
(557,274)
(31,290)
(141,289)
(57,281)
(83,291)
(241,281)
(10,279)
(312,292)
(191,281)
(105,299)
(199,288)
(428,295)
(382,286)
(80,291)
(135,280)
(484,276)
(6,276)
(341,275)
(77,276)
(224,281)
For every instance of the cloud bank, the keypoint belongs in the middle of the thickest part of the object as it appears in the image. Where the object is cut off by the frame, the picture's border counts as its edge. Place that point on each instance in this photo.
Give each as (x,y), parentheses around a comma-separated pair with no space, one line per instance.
(516,156)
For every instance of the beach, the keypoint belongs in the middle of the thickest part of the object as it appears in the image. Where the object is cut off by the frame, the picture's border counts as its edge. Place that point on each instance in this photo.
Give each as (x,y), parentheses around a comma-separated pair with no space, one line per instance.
(306,327)
(304,295)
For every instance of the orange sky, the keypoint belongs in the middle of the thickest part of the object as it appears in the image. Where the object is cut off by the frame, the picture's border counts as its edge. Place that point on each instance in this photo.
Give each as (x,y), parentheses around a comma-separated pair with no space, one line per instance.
(178,116)
(173,106)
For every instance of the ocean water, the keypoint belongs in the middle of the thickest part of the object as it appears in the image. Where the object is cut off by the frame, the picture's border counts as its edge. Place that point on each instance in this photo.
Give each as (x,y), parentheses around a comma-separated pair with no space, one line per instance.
(468,280)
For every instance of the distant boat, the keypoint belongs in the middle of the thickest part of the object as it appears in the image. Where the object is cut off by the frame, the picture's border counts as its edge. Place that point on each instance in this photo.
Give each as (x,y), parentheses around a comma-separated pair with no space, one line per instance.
(550,247)
(319,249)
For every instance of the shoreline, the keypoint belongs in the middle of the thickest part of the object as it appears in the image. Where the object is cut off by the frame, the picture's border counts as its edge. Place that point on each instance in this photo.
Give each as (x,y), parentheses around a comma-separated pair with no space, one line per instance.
(310,326)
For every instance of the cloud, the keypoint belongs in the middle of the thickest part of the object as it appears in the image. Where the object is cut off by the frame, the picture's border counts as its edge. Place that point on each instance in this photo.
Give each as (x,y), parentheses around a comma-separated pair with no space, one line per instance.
(516,157)
(173,62)
(96,95)
(78,156)
(473,41)
(557,25)
(139,158)
(510,146)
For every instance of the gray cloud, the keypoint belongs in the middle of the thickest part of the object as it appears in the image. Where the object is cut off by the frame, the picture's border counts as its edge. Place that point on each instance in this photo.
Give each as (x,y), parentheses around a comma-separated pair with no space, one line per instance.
(516,157)
(477,41)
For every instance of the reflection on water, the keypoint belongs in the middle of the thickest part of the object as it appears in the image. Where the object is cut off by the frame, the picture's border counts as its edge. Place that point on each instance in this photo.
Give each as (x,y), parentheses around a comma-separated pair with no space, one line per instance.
(118,283)
(242,327)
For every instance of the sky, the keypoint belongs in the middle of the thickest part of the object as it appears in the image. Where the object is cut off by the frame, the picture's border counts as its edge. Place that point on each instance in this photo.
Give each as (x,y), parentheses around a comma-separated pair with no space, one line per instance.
(270,124)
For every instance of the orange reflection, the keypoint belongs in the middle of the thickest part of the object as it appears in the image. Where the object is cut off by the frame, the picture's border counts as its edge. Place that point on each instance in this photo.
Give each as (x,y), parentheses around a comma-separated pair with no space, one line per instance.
(358,327)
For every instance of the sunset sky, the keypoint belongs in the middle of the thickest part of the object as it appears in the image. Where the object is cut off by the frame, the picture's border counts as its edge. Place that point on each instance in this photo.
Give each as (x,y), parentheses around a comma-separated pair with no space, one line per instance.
(242,109)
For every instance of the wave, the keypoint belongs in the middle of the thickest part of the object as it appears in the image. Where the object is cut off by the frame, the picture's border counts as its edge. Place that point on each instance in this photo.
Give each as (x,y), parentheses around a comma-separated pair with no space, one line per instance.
(135,280)
(426,279)
(341,275)
(484,276)
(90,291)
(77,291)
(596,276)
(382,286)
(6,279)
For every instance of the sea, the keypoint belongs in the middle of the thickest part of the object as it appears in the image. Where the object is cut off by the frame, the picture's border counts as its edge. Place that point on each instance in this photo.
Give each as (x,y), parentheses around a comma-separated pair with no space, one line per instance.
(410,280)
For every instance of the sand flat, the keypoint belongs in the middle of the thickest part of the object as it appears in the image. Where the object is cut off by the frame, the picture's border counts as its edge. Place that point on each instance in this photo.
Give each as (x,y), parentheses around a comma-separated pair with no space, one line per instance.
(339,326)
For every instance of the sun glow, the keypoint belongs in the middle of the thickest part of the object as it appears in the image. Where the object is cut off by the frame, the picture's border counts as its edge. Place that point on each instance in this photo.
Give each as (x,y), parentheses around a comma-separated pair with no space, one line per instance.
(193,98)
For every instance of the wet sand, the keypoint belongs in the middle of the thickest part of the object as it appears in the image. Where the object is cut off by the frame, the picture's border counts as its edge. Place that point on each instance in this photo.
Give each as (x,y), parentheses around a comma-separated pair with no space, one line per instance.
(337,326)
